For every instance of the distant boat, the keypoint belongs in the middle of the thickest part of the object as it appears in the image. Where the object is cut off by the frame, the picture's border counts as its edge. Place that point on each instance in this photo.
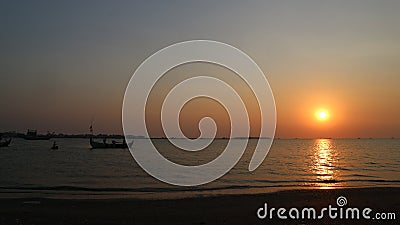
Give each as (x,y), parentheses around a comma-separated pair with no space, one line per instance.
(32,135)
(55,146)
(104,144)
(5,143)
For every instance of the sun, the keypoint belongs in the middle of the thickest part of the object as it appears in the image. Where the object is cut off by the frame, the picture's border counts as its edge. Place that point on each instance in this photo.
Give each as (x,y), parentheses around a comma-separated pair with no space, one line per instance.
(322,115)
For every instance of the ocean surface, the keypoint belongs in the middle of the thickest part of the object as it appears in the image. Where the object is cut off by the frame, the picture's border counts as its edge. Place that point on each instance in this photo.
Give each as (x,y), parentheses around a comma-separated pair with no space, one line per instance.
(32,169)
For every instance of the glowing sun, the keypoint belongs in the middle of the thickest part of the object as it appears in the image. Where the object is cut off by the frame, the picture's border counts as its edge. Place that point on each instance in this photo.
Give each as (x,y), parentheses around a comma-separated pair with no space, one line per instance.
(322,115)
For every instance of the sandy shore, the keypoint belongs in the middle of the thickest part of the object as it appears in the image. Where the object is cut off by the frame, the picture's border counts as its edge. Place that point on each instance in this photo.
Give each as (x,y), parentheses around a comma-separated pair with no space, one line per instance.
(235,209)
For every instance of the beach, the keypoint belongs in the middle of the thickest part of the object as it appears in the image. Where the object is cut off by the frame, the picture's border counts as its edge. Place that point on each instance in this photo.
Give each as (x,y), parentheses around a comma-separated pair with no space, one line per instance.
(228,209)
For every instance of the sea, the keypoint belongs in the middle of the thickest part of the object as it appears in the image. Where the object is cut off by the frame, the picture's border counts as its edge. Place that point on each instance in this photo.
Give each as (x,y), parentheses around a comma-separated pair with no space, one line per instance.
(30,169)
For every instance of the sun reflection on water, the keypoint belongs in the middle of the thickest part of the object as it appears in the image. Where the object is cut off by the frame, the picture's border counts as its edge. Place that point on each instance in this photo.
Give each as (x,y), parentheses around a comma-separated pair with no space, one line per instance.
(324,163)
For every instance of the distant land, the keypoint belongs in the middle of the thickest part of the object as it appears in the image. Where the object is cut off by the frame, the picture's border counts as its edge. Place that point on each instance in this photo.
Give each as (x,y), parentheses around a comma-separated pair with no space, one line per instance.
(61,135)
(120,136)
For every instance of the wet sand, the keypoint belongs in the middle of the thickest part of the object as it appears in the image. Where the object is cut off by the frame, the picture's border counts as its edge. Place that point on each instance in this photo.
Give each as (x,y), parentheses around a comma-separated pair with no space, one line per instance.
(233,209)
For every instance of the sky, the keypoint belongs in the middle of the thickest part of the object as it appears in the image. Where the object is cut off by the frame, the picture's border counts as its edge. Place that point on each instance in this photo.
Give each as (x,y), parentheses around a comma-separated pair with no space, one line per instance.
(65,64)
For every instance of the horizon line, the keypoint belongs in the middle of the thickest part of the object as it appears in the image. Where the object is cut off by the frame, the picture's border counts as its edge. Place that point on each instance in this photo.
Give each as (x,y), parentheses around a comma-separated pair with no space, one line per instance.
(83,135)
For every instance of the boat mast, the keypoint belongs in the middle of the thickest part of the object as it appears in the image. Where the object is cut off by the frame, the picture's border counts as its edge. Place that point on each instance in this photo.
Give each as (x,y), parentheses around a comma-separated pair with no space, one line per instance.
(91,129)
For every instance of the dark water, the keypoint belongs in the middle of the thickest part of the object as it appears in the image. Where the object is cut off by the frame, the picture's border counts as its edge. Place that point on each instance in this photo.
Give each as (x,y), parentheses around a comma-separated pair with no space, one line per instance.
(31,169)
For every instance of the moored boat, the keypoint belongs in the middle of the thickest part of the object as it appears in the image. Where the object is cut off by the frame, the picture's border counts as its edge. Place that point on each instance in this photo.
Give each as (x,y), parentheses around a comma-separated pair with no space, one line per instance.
(55,146)
(104,144)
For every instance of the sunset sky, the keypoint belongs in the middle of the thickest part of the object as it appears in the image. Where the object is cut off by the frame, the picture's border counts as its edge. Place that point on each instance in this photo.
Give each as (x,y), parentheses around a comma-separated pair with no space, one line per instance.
(63,64)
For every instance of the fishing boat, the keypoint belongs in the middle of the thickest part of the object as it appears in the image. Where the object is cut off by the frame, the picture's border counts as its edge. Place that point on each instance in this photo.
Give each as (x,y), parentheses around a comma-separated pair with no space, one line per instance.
(55,146)
(32,135)
(104,144)
(5,143)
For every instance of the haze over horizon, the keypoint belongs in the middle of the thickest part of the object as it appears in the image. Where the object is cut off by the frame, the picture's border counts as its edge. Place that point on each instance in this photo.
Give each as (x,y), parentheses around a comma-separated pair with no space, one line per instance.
(66,64)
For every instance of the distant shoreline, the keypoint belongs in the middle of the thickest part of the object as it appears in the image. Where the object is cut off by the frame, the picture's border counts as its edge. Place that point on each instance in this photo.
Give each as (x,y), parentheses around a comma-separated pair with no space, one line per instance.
(120,136)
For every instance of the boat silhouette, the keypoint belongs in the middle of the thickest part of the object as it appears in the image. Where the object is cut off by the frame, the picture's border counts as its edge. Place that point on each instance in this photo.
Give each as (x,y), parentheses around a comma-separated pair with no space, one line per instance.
(55,146)
(105,144)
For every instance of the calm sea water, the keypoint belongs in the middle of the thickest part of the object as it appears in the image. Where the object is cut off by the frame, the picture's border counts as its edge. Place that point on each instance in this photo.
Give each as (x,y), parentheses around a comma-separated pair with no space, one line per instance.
(31,169)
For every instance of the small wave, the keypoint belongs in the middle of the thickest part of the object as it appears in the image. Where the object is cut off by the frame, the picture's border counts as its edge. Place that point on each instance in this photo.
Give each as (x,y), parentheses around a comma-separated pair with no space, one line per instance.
(359,175)
(376,180)
(264,184)
(18,189)
(330,181)
(143,189)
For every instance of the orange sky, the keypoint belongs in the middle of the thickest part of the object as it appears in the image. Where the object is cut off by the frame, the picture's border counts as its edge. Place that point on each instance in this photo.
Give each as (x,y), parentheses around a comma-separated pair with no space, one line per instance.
(64,65)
